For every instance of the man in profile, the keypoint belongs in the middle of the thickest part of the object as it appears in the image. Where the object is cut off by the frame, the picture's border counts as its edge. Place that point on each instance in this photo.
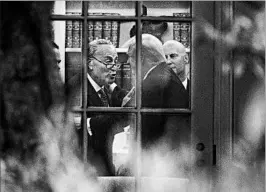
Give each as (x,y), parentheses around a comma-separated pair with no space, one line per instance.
(177,58)
(57,54)
(102,92)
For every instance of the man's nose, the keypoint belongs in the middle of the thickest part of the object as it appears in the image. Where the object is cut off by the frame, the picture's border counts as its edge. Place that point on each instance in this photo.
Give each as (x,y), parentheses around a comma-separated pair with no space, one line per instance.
(168,60)
(114,68)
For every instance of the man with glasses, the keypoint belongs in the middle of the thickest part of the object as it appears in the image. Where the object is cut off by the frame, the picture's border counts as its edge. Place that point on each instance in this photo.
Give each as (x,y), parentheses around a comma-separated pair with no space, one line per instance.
(102,92)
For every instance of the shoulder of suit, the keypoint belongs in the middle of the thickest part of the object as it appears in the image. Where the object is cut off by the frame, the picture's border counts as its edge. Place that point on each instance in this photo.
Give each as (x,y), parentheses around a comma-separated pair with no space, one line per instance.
(160,74)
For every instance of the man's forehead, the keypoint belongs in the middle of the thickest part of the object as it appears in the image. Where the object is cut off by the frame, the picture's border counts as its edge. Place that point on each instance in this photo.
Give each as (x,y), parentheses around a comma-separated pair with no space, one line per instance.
(106,50)
(173,48)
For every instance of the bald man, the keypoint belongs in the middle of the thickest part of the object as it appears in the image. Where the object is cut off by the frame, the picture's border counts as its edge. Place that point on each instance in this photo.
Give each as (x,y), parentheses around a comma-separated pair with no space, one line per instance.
(177,58)
(161,88)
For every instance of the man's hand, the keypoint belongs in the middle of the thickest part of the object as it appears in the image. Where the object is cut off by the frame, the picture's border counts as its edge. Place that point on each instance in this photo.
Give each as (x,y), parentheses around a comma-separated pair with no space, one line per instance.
(128,97)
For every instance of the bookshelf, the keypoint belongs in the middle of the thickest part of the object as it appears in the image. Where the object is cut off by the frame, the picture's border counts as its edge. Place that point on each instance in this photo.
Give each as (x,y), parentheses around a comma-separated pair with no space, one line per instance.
(125,8)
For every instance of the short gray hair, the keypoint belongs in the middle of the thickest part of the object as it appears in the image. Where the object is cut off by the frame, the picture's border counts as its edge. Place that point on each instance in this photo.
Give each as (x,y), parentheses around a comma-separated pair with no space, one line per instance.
(152,48)
(93,46)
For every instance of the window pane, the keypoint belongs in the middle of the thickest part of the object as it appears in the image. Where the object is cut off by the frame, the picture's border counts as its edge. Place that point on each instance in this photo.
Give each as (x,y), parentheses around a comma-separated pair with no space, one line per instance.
(167,8)
(107,65)
(165,141)
(110,142)
(114,8)
(68,37)
(165,63)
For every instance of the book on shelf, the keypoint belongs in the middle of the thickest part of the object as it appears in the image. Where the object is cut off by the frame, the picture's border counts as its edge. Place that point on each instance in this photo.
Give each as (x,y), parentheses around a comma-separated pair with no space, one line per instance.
(115,31)
(90,29)
(80,33)
(107,28)
(97,27)
(69,32)
(185,34)
(75,34)
(76,37)
(181,30)
(176,31)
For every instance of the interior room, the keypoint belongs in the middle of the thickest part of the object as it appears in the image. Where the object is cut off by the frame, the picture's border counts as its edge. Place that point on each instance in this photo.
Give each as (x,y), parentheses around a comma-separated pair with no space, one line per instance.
(135,96)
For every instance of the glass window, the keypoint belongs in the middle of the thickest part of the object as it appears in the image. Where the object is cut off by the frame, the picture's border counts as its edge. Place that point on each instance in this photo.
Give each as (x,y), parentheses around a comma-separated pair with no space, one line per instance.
(117,133)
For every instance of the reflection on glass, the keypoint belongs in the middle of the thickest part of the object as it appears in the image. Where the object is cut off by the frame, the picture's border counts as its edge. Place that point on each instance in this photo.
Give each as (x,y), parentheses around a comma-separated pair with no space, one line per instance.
(165,143)
(74,77)
(167,8)
(125,8)
(110,142)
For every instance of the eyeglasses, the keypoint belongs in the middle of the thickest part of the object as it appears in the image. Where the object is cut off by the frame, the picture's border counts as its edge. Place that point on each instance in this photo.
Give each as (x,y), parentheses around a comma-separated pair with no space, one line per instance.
(109,65)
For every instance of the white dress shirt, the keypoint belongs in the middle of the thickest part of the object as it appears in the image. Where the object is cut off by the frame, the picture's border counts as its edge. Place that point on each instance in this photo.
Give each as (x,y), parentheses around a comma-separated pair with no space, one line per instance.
(185,83)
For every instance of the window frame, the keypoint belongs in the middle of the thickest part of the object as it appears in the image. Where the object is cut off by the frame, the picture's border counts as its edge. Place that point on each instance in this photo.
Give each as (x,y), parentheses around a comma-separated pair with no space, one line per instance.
(193,109)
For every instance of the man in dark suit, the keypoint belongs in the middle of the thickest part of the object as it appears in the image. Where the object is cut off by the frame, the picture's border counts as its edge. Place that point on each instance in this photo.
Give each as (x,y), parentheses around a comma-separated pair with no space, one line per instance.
(177,59)
(161,88)
(102,92)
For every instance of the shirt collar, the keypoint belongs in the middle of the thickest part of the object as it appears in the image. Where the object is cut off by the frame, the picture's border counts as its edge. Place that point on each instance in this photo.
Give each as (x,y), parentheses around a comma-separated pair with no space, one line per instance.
(94,84)
(185,83)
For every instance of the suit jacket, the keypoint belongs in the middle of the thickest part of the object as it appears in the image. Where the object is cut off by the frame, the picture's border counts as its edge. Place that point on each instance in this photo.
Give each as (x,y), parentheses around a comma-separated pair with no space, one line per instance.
(163,89)
(103,127)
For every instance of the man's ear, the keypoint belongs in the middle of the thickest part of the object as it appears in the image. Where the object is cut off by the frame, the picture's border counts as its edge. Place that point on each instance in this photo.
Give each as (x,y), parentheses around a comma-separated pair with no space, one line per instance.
(186,58)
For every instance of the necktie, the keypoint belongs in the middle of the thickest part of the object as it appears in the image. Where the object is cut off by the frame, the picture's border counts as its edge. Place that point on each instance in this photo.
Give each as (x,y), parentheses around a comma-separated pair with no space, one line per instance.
(103,97)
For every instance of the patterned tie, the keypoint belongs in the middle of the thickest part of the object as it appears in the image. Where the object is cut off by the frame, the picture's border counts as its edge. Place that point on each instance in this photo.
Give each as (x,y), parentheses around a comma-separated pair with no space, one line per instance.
(103,97)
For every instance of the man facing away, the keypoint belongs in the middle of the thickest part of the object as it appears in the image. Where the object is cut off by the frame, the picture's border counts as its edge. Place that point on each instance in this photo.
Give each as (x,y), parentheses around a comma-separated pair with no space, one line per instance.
(161,88)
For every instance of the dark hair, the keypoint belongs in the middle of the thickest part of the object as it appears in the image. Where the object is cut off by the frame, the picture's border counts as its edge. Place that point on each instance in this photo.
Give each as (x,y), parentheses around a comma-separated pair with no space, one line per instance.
(149,27)
(55,45)
(93,46)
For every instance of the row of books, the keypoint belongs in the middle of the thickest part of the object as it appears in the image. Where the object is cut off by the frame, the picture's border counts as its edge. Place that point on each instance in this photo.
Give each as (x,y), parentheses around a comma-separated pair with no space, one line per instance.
(108,30)
(181,30)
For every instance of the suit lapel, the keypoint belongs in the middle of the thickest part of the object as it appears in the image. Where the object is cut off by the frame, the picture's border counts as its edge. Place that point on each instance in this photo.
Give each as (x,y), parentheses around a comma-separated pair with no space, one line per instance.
(93,97)
(177,80)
